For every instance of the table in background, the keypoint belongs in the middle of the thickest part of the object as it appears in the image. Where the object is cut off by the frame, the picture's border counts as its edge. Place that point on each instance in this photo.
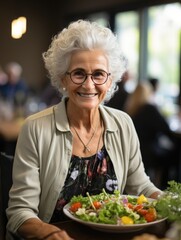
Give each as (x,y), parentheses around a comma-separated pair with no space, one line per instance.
(82,232)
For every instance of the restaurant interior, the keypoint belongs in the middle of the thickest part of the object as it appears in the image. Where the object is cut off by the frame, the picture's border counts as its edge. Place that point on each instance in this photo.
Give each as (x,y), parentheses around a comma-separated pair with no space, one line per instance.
(142,28)
(149,33)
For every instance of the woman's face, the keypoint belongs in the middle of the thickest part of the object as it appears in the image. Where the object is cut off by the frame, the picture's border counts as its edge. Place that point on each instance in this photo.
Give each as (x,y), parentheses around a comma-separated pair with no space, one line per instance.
(87,95)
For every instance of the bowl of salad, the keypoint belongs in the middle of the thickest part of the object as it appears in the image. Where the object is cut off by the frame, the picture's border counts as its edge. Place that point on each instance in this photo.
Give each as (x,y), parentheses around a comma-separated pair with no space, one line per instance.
(113,212)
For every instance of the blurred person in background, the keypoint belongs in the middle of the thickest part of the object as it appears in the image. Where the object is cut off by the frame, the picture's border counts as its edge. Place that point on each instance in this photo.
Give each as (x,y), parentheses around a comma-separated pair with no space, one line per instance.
(49,95)
(3,76)
(154,83)
(18,101)
(121,94)
(158,147)
(41,98)
(13,95)
(15,89)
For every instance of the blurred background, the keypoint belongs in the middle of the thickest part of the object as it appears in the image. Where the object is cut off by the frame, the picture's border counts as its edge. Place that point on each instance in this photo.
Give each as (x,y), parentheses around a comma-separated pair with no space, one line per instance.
(149,33)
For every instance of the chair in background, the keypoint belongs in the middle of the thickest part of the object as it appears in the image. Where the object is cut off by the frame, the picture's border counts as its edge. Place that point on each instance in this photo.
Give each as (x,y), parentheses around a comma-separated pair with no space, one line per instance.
(6,162)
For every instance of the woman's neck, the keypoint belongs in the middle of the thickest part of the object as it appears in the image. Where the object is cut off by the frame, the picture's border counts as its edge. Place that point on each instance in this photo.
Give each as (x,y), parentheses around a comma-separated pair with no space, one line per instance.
(83,118)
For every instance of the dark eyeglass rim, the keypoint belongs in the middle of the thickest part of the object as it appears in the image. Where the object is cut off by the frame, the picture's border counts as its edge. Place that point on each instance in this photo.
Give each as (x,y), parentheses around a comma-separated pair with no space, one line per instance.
(86,74)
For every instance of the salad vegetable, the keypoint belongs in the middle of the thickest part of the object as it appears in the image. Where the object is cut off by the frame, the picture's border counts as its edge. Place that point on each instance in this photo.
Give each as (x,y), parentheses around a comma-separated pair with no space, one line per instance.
(113,208)
(169,203)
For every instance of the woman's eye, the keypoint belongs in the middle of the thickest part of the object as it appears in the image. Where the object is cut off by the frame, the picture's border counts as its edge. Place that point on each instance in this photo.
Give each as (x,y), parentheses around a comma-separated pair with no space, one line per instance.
(98,74)
(79,74)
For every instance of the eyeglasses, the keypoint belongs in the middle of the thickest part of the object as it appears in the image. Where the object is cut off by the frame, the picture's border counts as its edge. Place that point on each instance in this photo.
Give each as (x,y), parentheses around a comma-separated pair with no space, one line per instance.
(79,76)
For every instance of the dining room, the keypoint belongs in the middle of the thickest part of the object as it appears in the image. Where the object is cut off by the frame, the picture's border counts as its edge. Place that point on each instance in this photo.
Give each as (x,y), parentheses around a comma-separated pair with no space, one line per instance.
(149,50)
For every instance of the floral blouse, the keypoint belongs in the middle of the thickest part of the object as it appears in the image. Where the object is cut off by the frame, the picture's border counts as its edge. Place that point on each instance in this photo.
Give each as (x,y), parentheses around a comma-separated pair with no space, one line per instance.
(86,174)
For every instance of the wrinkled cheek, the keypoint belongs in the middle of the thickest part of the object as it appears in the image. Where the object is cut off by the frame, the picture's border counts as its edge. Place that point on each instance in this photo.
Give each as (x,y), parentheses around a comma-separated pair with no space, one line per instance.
(102,96)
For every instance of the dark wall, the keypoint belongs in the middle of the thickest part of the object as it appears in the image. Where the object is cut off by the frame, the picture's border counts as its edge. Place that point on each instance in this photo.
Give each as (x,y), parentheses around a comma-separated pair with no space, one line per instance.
(44,20)
(42,23)
(77,8)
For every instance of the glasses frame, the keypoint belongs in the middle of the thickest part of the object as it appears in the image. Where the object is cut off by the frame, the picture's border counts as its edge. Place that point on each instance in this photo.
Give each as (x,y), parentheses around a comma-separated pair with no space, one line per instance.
(86,75)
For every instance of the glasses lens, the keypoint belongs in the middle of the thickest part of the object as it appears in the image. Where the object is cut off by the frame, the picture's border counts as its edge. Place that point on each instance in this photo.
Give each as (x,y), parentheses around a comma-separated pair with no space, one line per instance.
(99,77)
(78,76)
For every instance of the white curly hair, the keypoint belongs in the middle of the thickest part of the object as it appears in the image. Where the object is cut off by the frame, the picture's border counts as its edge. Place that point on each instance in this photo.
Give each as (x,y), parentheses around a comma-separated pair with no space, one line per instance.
(84,35)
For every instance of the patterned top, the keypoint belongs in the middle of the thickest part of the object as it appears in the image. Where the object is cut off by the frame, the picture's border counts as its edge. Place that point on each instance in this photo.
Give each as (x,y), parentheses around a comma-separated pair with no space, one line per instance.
(86,174)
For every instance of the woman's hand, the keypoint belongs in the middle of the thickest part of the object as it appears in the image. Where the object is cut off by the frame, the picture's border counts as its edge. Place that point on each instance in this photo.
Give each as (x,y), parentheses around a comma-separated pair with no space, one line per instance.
(156,195)
(35,229)
(57,235)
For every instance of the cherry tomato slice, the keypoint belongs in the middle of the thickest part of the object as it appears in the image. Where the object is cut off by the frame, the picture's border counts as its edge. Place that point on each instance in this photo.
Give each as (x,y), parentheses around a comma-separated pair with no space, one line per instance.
(97,204)
(151,215)
(129,205)
(75,206)
(142,212)
(138,207)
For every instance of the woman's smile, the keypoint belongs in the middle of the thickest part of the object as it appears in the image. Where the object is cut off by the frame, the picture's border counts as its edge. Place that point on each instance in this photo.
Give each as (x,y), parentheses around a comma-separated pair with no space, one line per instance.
(87,95)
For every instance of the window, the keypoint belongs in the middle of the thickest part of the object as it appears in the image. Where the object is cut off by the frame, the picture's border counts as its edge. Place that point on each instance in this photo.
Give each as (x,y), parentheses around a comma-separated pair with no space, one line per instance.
(126,27)
(150,39)
(164,48)
(101,18)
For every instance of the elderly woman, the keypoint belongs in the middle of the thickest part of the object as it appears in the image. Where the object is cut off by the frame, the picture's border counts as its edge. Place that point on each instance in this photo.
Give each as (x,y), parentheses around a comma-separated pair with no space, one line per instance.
(79,145)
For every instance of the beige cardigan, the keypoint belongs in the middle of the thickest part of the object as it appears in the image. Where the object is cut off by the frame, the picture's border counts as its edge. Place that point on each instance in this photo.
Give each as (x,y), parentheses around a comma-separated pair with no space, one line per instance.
(42,157)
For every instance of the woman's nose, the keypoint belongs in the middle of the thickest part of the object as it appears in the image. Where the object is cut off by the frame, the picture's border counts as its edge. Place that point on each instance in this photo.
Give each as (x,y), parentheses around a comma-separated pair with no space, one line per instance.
(88,80)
